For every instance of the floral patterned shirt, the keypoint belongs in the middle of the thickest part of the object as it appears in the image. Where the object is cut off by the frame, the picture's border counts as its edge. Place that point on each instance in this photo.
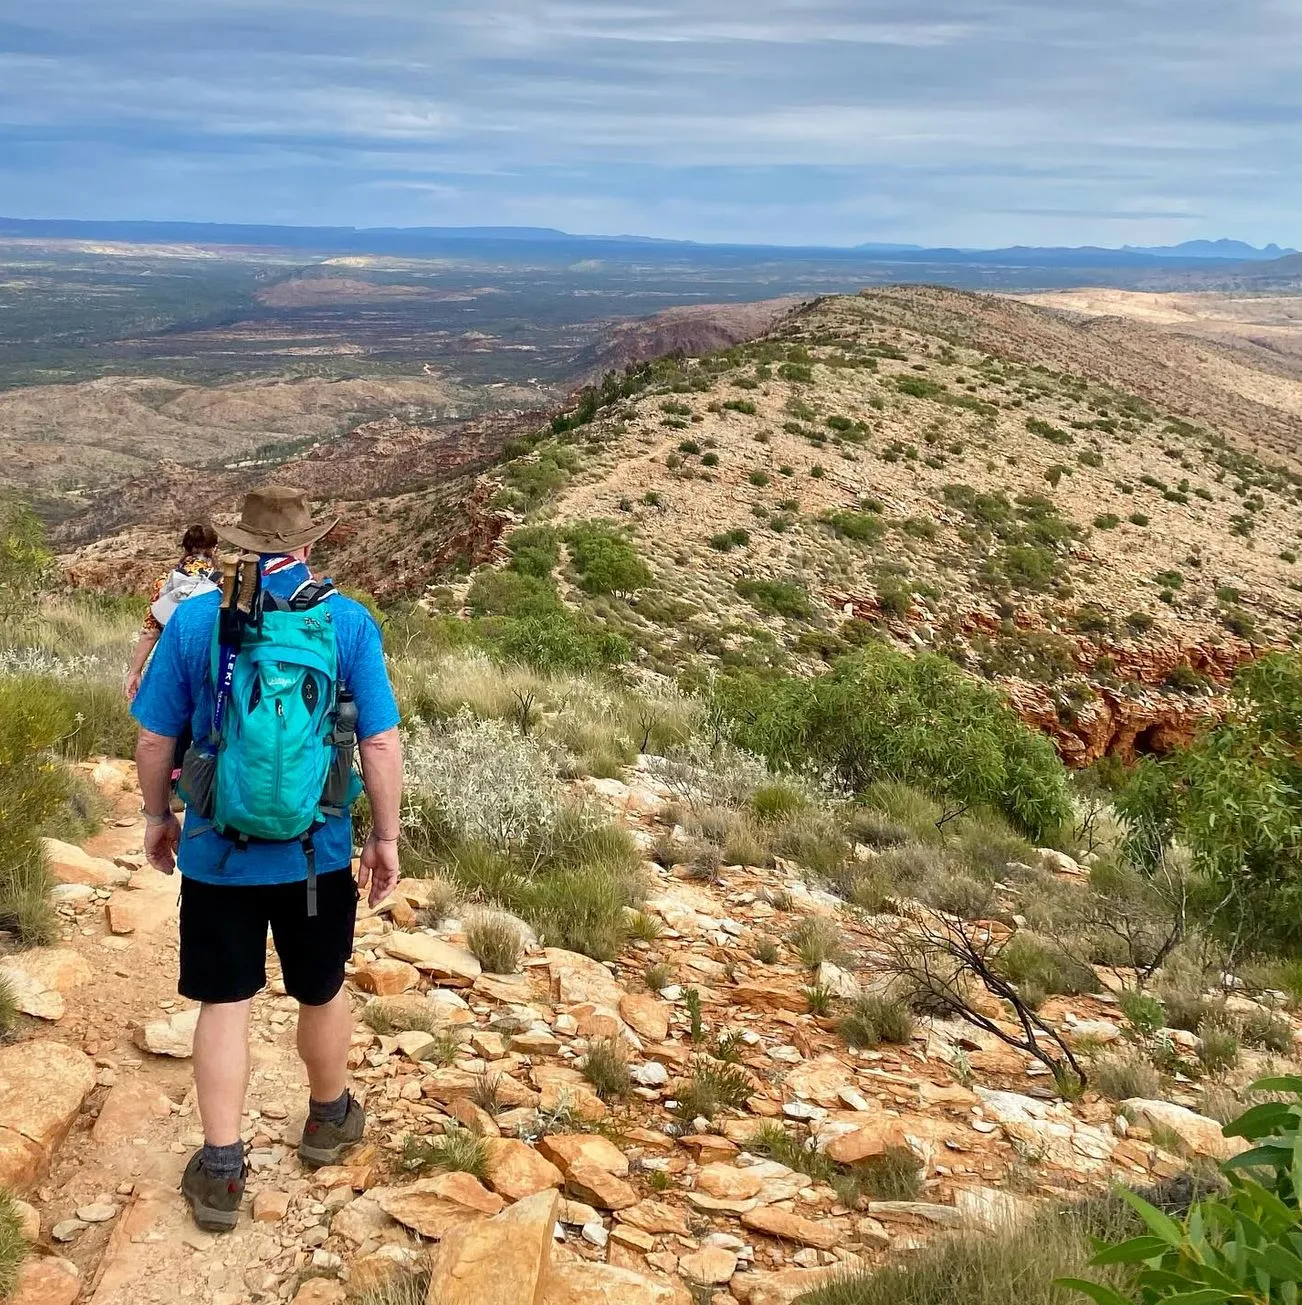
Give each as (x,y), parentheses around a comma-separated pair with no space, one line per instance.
(190,564)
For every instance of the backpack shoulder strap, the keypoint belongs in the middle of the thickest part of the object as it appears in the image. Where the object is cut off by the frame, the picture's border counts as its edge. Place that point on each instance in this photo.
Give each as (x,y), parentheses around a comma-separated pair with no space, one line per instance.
(309,594)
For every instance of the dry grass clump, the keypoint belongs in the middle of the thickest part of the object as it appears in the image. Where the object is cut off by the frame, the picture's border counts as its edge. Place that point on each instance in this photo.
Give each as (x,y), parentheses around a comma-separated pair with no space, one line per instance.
(711,1088)
(872,1020)
(496,942)
(606,1068)
(816,939)
(387,1015)
(13,1246)
(1124,1075)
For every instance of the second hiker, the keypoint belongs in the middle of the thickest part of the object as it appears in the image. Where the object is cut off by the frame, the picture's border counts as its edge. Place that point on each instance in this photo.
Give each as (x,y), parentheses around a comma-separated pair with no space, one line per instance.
(276,678)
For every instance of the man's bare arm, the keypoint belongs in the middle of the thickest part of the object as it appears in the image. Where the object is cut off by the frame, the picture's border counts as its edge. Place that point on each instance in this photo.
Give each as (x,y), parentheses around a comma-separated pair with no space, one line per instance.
(381,757)
(154,754)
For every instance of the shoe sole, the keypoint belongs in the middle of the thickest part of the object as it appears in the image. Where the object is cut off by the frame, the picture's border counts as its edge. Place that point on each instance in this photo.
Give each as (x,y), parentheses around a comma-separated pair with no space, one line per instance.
(319,1157)
(210,1219)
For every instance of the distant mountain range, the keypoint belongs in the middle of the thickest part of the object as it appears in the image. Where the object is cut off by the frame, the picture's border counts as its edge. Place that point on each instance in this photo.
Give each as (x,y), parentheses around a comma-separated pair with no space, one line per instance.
(426,240)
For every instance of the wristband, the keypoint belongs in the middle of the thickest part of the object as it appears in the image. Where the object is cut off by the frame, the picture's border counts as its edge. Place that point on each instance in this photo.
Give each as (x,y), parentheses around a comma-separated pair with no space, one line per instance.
(152,819)
(378,839)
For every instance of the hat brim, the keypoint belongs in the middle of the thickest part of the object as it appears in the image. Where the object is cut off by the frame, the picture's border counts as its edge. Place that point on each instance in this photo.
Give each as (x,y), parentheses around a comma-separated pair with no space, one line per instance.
(252,542)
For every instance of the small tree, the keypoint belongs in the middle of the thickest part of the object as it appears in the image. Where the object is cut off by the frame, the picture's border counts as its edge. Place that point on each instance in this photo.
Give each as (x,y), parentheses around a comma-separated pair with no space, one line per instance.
(1234,798)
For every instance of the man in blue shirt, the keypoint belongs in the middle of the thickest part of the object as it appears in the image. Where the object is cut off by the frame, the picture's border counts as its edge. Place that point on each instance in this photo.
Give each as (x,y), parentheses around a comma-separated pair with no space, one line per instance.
(232,892)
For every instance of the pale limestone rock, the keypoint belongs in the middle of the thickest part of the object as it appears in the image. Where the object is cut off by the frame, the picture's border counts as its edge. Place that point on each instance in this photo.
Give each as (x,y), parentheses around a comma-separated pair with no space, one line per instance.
(173,1036)
(1197,1133)
(582,1283)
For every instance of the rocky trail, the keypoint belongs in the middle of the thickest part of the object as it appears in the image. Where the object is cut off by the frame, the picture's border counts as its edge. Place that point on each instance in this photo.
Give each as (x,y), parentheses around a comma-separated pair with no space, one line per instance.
(583,1200)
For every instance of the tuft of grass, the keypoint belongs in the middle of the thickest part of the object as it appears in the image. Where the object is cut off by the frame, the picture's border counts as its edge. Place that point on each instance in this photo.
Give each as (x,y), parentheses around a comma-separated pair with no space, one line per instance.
(1268,1031)
(815,940)
(606,1068)
(458,1150)
(644,927)
(496,942)
(401,1289)
(992,1268)
(1188,1010)
(1039,970)
(819,998)
(8,1006)
(487,1092)
(773,1142)
(658,1180)
(658,977)
(711,1088)
(13,1245)
(872,1020)
(766,951)
(1219,1046)
(389,1017)
(446,1048)
(773,802)
(1124,1075)
(895,1175)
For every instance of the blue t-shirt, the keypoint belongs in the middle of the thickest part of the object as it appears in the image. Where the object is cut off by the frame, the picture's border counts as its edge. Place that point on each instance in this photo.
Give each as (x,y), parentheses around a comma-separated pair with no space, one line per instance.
(177,689)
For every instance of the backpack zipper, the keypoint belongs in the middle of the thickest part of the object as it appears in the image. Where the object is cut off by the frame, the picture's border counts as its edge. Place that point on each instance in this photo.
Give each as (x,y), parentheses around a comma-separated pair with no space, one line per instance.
(280,743)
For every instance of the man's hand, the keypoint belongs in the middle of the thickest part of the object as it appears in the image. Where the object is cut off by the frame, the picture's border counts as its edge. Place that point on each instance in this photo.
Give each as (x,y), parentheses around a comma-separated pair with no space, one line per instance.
(378,868)
(162,839)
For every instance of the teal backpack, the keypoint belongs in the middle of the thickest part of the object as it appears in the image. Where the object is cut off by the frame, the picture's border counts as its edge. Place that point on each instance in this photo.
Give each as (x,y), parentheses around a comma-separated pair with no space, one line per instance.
(283,726)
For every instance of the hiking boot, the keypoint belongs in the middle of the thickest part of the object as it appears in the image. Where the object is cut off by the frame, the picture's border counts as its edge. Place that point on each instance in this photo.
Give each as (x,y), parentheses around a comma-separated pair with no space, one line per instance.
(214,1202)
(325,1143)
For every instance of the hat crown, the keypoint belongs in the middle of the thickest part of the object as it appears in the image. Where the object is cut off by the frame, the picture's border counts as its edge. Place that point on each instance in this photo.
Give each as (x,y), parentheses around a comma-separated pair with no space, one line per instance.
(276,511)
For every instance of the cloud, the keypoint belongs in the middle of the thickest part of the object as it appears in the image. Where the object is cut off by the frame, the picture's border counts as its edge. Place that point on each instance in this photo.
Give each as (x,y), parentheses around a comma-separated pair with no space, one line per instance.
(1103,121)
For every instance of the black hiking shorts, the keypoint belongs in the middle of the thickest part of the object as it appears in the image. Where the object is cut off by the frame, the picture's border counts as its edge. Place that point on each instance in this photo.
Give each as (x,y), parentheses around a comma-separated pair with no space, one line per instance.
(224,938)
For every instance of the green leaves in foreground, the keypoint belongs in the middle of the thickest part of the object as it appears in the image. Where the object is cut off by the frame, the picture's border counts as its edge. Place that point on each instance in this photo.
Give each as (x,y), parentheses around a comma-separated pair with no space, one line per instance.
(1242,1247)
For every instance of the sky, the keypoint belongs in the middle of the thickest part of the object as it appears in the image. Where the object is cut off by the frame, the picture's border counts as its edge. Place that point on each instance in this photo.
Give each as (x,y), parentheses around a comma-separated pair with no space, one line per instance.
(967,122)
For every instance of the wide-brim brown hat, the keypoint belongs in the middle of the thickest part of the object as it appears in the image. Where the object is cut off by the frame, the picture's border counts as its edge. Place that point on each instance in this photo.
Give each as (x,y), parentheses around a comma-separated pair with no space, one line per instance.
(275,519)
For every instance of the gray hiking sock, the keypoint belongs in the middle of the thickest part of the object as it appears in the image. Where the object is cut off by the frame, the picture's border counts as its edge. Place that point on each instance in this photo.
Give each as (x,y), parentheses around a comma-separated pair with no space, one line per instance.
(223,1161)
(329,1112)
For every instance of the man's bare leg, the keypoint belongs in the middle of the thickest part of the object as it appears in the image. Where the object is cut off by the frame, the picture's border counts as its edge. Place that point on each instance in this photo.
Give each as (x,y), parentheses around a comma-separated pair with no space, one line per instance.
(324,1035)
(221,1069)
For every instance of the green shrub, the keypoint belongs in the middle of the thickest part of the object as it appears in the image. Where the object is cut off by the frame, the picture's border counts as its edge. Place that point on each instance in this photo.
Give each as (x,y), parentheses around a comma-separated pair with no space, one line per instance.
(881,715)
(1038,970)
(1267,1031)
(776,598)
(1138,519)
(605,559)
(1145,1013)
(862,527)
(1107,521)
(510,593)
(818,998)
(1231,799)
(33,786)
(772,802)
(561,641)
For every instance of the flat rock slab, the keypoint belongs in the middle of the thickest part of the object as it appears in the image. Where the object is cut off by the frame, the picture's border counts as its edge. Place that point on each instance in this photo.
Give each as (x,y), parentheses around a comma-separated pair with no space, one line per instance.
(434,956)
(48,1280)
(42,1087)
(516,1170)
(580,1283)
(68,864)
(129,1111)
(433,1207)
(503,1260)
(40,978)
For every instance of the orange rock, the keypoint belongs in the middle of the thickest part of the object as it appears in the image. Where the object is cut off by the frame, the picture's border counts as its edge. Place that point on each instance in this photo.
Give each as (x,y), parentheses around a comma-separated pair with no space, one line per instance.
(42,1087)
(270,1207)
(582,1283)
(386,977)
(433,1207)
(516,1170)
(503,1260)
(863,1143)
(782,1224)
(645,1015)
(598,1187)
(48,1280)
(728,1183)
(566,1149)
(121,915)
